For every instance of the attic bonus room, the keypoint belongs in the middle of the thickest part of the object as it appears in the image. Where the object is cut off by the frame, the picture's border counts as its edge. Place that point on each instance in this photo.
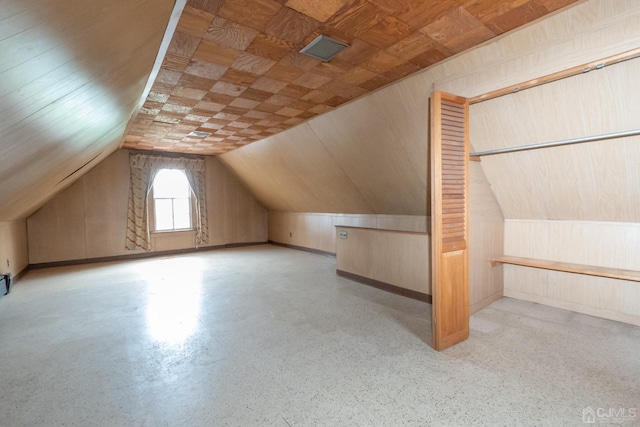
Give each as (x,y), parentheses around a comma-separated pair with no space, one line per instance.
(319,212)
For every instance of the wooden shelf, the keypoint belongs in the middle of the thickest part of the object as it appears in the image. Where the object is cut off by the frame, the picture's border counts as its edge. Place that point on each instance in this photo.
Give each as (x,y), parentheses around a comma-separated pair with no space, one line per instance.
(591,270)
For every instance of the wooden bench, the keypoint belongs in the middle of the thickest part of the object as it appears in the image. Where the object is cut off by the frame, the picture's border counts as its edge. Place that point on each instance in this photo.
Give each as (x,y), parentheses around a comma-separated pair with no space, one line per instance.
(591,270)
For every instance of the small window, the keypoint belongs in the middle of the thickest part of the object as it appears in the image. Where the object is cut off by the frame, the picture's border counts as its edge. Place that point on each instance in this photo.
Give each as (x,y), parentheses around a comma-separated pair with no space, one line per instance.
(172,202)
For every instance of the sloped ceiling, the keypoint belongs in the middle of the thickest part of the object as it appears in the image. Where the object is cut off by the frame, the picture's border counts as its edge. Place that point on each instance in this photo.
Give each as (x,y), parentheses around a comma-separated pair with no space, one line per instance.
(371,155)
(367,157)
(233,69)
(71,74)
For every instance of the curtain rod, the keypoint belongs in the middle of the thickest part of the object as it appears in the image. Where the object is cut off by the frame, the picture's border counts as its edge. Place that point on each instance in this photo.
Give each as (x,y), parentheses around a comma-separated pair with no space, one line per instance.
(557,143)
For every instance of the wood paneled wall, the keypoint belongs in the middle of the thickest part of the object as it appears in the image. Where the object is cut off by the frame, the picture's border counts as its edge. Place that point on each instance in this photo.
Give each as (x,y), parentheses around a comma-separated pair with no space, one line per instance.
(596,181)
(317,230)
(393,257)
(72,74)
(88,220)
(14,256)
(605,244)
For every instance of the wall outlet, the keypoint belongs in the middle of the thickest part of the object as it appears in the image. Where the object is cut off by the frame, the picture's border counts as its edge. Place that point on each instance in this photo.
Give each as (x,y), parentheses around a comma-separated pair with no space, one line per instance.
(290,234)
(342,234)
(8,263)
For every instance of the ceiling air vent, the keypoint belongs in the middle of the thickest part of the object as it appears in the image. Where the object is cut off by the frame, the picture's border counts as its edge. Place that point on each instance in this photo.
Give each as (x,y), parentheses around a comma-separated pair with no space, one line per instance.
(324,48)
(199,134)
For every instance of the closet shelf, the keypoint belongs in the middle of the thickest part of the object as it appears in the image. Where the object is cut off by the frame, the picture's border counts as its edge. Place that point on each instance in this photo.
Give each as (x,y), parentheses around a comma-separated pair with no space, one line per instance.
(591,270)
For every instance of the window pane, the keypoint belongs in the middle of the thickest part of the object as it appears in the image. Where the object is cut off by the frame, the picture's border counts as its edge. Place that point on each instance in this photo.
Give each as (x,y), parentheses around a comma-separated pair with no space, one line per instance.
(171,183)
(164,214)
(182,213)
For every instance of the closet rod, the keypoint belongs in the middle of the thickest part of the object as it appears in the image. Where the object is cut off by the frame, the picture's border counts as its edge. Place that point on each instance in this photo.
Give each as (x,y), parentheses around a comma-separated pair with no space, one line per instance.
(557,143)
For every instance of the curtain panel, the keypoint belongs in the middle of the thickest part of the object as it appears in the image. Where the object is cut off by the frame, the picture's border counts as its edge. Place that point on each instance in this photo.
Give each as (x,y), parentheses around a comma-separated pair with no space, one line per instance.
(144,168)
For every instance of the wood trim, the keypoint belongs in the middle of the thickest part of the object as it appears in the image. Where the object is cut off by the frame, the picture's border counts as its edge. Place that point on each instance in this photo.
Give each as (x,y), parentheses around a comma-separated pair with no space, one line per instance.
(574,71)
(302,248)
(385,286)
(486,302)
(140,255)
(384,230)
(176,13)
(589,270)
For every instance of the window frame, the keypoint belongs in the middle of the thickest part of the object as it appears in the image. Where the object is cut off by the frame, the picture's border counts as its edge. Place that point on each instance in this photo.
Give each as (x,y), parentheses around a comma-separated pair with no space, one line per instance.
(152,210)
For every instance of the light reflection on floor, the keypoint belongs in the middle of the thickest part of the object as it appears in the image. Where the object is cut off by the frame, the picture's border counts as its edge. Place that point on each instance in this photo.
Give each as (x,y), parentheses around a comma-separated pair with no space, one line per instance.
(174,298)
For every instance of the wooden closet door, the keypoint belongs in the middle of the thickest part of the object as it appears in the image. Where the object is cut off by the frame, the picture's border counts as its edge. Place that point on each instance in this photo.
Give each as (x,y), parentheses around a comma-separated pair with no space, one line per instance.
(449,219)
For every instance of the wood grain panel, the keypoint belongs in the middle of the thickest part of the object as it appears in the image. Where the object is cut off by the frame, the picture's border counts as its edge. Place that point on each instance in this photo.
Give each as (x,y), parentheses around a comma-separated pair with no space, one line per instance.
(320,10)
(320,184)
(230,34)
(291,26)
(594,181)
(449,218)
(604,244)
(396,258)
(388,40)
(71,79)
(255,14)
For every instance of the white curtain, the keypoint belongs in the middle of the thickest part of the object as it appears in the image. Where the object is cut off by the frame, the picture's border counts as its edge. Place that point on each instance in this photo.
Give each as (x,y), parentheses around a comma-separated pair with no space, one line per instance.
(144,168)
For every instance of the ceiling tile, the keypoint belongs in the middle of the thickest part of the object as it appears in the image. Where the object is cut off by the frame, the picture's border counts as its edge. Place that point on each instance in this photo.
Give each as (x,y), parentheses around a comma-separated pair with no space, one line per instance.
(195,82)
(227,89)
(356,17)
(317,96)
(419,12)
(268,84)
(188,93)
(320,10)
(244,103)
(312,80)
(239,77)
(205,69)
(256,95)
(252,13)
(357,53)
(290,25)
(230,34)
(458,30)
(285,74)
(390,6)
(269,47)
(382,62)
(356,75)
(168,77)
(294,91)
(208,51)
(411,46)
(236,63)
(253,64)
(211,6)
(298,60)
(386,32)
(516,17)
(175,62)
(194,21)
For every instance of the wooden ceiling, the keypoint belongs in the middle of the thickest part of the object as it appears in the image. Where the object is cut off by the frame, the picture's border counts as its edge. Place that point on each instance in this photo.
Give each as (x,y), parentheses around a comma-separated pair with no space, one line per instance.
(233,68)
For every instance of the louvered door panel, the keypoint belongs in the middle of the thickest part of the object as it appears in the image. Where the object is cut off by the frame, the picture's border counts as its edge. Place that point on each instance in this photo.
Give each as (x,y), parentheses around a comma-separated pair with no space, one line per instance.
(449,219)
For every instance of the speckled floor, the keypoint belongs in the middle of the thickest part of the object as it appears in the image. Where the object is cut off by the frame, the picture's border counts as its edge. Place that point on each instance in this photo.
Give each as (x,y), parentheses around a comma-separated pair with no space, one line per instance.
(271,336)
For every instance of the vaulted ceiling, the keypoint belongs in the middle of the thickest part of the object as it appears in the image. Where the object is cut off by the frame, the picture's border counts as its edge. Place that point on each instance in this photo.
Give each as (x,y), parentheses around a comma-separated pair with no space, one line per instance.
(233,69)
